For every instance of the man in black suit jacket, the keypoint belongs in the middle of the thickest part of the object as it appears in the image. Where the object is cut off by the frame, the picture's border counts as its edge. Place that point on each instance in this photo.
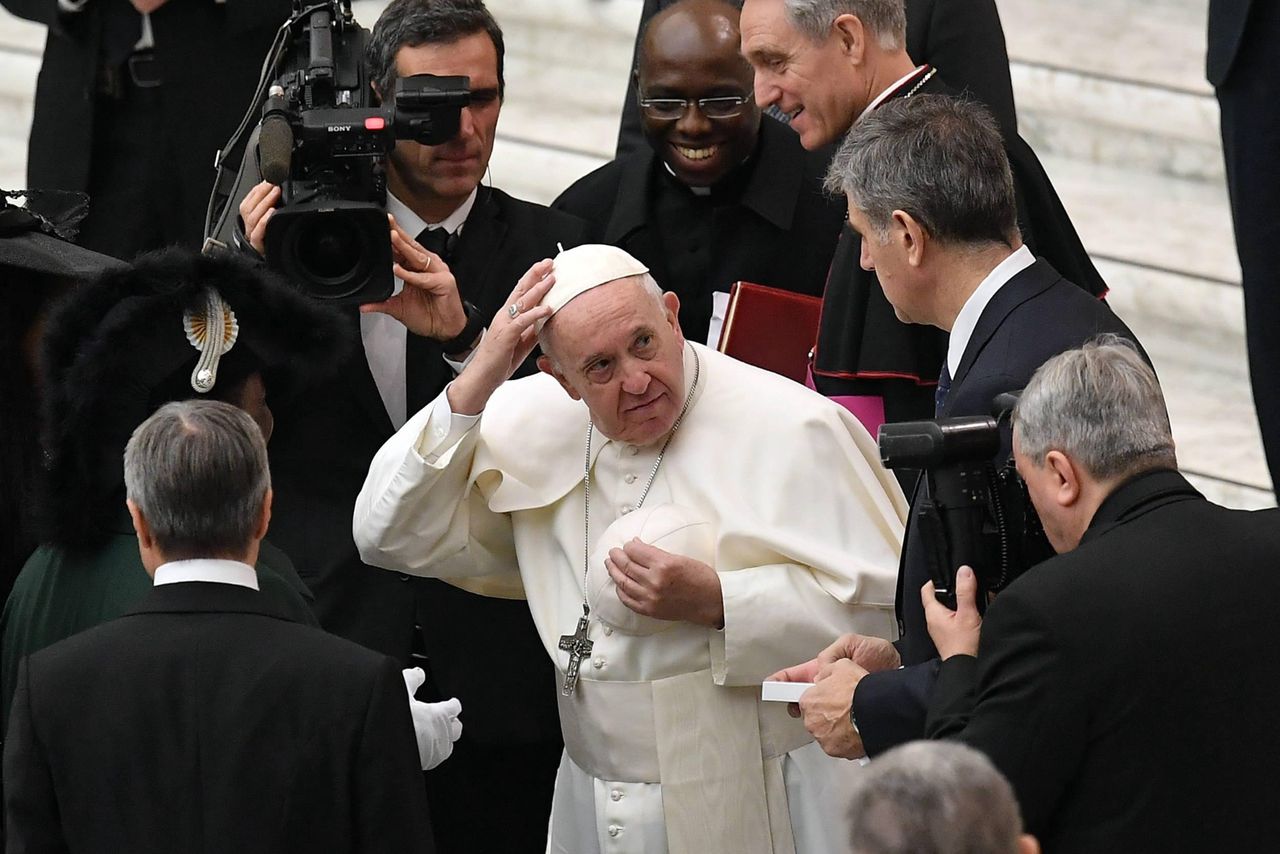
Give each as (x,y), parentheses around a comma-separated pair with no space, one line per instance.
(1125,687)
(1244,41)
(931,193)
(713,197)
(962,37)
(828,74)
(484,651)
(133,113)
(204,719)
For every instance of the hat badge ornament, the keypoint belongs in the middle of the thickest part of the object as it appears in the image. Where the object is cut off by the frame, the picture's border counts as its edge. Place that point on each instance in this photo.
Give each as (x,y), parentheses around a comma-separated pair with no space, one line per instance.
(212,330)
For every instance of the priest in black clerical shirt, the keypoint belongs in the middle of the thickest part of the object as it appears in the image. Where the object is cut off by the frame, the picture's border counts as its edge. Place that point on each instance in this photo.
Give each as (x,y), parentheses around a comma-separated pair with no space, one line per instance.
(722,193)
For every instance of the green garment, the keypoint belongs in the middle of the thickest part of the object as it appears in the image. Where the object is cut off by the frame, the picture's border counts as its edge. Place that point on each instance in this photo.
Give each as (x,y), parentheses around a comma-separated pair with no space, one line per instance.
(60,593)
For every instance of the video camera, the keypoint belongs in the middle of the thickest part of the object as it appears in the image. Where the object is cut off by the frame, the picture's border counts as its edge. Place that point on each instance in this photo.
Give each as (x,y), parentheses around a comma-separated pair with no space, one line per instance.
(324,142)
(976,513)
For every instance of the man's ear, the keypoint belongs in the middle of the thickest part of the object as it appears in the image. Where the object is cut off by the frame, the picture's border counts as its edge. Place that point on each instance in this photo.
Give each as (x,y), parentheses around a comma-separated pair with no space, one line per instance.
(549,367)
(1066,481)
(851,35)
(672,302)
(264,517)
(140,526)
(913,236)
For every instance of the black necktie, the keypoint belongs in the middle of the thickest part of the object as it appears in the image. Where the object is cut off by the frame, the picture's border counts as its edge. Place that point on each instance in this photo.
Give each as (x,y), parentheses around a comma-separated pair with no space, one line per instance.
(944,386)
(423,367)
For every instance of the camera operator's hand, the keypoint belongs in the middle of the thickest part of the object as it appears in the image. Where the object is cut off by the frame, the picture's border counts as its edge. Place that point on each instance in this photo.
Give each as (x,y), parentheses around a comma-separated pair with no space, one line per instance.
(255,209)
(826,709)
(147,6)
(507,343)
(954,632)
(428,304)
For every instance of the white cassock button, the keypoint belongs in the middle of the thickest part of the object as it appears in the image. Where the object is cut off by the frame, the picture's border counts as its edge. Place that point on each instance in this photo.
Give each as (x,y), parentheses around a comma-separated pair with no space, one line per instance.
(630,478)
(626,508)
(597,662)
(608,629)
(615,795)
(632,450)
(614,830)
(440,431)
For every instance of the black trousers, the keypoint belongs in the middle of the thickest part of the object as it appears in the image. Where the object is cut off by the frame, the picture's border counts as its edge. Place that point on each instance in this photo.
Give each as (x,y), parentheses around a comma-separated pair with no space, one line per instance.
(493,799)
(135,193)
(1250,102)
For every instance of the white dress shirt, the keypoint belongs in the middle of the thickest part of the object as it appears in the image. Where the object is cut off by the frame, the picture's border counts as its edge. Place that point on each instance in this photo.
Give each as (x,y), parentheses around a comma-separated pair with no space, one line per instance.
(967,319)
(383,336)
(207,569)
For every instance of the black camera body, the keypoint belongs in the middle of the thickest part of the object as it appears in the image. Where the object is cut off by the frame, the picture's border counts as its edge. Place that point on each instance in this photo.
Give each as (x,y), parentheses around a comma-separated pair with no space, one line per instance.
(977,512)
(324,141)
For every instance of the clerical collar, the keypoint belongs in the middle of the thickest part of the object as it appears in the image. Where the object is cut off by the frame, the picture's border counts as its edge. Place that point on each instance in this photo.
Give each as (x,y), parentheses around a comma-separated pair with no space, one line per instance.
(209,570)
(731,183)
(414,224)
(904,82)
(967,320)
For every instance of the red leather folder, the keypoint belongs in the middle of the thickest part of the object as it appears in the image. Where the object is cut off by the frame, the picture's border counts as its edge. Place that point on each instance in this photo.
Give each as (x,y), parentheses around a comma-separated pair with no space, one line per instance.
(770,328)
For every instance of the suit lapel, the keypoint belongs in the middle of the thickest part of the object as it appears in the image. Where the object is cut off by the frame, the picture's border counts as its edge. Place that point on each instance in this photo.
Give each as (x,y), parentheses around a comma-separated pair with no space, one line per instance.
(1027,284)
(479,246)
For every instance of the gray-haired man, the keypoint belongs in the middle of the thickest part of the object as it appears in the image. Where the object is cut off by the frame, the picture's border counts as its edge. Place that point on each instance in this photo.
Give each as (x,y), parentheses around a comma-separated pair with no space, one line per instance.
(1125,687)
(931,194)
(204,718)
(931,797)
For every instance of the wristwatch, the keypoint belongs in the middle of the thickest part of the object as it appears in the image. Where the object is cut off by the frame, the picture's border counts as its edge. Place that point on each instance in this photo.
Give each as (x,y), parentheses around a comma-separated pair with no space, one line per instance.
(463,341)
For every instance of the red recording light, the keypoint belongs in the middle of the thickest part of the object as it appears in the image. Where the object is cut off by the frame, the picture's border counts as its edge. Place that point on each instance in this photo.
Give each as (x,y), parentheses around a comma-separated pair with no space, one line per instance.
(375,123)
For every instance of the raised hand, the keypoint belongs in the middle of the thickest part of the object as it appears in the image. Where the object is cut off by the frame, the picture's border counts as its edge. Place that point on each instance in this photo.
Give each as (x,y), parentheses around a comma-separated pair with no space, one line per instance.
(429,304)
(509,340)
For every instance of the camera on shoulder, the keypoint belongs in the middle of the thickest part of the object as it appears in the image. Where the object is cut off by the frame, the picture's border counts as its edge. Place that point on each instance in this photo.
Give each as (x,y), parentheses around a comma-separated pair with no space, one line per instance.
(324,140)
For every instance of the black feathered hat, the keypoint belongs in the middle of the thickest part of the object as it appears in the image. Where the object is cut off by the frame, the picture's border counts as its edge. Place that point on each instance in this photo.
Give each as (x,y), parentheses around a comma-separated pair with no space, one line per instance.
(120,347)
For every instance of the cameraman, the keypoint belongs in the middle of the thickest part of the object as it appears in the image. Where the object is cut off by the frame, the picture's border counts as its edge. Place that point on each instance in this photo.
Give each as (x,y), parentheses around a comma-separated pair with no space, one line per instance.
(1125,686)
(931,193)
(454,242)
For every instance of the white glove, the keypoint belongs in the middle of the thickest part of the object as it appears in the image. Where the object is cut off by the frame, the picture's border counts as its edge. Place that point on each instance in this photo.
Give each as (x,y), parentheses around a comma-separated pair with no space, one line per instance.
(435,724)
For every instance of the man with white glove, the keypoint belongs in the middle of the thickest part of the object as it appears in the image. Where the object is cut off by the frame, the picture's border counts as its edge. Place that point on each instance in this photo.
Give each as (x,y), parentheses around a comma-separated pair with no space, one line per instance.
(436,725)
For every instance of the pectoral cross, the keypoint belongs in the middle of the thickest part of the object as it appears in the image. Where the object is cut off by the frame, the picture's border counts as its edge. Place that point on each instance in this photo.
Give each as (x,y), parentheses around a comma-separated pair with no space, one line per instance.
(578,647)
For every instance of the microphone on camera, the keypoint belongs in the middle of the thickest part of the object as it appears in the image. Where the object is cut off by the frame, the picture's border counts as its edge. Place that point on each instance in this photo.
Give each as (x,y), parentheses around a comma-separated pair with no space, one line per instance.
(275,141)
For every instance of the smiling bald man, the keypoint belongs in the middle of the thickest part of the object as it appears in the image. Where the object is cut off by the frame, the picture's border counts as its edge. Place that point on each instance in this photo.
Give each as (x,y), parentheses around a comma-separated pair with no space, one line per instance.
(720,193)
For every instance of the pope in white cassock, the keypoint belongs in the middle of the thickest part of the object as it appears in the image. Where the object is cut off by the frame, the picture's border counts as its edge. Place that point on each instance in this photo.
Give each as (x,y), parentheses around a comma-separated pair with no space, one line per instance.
(682,525)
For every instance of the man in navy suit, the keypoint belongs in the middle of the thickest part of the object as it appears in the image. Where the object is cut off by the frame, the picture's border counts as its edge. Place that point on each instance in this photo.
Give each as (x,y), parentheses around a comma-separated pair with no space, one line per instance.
(206,719)
(930,192)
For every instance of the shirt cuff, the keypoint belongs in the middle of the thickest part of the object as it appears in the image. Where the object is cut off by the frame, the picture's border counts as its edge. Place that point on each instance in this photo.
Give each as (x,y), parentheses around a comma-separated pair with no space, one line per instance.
(459,367)
(443,430)
(71,5)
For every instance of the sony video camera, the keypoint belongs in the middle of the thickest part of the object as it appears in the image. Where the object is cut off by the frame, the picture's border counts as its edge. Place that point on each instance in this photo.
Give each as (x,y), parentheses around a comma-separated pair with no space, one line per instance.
(324,142)
(976,513)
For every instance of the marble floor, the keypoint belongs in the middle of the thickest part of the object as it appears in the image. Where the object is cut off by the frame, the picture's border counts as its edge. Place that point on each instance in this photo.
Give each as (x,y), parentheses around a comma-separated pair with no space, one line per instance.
(1111,94)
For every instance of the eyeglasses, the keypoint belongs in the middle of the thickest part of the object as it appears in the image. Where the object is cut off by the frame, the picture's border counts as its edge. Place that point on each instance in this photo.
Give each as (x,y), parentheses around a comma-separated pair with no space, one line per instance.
(671,109)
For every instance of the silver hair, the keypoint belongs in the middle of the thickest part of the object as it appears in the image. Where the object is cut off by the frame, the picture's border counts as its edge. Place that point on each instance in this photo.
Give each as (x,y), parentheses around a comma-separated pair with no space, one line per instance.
(933,797)
(940,159)
(197,470)
(886,19)
(651,287)
(1102,406)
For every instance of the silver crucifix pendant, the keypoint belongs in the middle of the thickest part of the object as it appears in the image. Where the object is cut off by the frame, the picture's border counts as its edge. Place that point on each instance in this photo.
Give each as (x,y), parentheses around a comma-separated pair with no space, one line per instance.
(578,647)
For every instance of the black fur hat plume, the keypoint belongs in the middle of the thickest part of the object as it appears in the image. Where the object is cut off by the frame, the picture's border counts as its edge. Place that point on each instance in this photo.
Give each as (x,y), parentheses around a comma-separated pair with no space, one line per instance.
(116,350)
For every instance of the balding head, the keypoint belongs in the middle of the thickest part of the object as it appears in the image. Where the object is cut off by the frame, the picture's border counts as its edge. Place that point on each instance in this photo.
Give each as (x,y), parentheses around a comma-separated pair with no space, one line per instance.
(689,52)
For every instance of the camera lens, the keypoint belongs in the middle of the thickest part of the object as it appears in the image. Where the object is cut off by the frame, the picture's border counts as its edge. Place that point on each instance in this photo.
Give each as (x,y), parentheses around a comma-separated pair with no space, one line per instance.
(331,252)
